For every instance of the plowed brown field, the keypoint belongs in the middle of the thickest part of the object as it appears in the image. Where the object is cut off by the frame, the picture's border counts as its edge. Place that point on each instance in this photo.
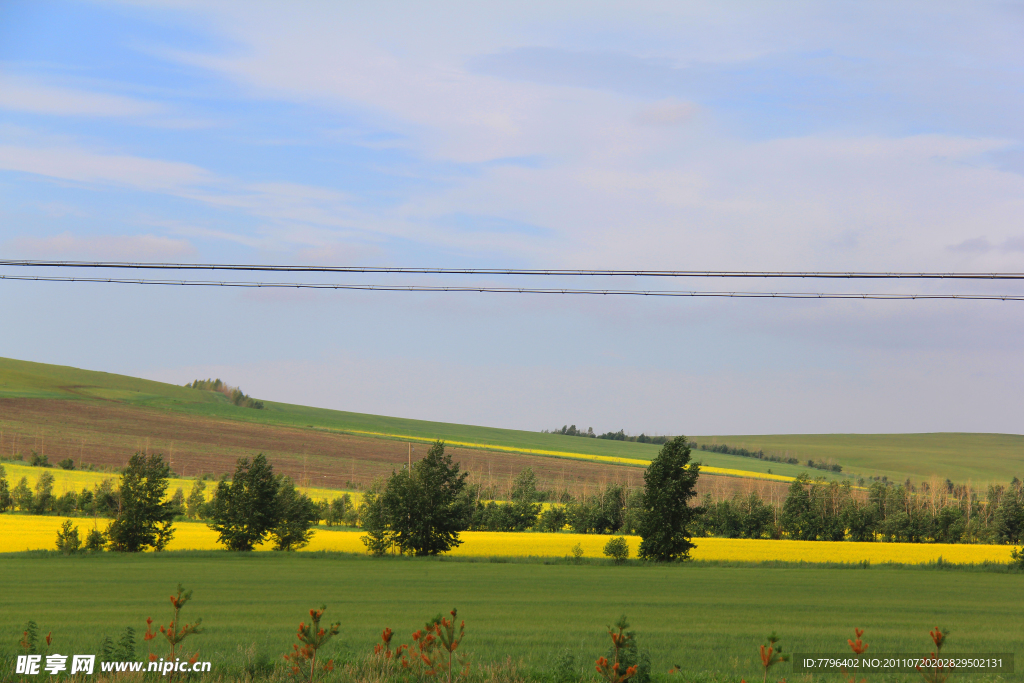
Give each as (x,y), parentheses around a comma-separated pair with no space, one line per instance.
(108,433)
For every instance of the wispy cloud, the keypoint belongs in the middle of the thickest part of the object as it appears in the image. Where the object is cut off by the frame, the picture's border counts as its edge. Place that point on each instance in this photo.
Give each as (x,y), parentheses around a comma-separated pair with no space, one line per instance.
(100,247)
(33,96)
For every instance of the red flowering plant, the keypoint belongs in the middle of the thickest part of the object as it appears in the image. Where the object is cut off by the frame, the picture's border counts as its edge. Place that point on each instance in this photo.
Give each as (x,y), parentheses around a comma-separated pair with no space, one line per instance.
(859,647)
(614,671)
(30,640)
(936,673)
(771,654)
(432,651)
(175,632)
(312,637)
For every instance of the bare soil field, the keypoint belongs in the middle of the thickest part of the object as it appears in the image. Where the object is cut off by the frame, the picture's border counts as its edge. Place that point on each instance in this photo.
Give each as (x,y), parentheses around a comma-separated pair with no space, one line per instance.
(107,433)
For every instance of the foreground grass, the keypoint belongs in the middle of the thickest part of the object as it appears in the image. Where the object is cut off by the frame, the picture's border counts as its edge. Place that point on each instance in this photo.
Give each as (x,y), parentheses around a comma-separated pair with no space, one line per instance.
(710,619)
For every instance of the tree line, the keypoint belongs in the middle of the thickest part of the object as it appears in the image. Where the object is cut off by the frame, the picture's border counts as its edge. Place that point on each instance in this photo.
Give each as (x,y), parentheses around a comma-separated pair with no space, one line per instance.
(571,430)
(422,510)
(830,511)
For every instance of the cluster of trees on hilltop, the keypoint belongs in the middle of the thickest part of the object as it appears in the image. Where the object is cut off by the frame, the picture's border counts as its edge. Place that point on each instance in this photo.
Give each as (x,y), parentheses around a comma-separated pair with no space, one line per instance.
(234,394)
(571,430)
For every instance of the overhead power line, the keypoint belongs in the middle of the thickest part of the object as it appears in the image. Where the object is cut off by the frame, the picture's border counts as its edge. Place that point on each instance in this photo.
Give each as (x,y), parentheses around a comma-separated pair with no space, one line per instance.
(516,290)
(853,275)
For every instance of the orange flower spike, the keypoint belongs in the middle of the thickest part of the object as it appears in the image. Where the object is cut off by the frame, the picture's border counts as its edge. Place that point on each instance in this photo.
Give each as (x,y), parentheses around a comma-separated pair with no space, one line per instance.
(937,636)
(152,657)
(193,658)
(858,632)
(48,637)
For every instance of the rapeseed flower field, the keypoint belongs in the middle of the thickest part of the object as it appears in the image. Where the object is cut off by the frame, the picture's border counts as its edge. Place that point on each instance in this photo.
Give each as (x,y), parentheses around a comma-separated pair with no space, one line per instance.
(76,480)
(615,460)
(30,532)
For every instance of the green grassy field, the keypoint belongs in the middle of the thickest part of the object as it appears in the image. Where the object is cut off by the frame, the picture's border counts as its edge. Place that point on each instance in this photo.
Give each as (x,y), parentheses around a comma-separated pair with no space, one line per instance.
(978,457)
(708,619)
(960,457)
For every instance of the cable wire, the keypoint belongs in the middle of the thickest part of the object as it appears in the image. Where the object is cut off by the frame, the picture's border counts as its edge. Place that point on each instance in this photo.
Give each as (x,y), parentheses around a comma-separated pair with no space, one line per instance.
(861,275)
(515,290)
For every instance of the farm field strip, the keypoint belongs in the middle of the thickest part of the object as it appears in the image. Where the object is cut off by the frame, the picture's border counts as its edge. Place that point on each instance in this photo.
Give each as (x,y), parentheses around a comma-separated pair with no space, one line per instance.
(708,619)
(31,532)
(571,455)
(75,480)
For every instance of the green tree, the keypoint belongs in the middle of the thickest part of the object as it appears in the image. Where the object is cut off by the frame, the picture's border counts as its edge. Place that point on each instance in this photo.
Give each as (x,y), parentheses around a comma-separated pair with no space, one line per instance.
(524,508)
(195,504)
(296,515)
(244,511)
(22,495)
(617,548)
(143,519)
(798,520)
(426,508)
(42,501)
(68,541)
(374,520)
(669,484)
(6,500)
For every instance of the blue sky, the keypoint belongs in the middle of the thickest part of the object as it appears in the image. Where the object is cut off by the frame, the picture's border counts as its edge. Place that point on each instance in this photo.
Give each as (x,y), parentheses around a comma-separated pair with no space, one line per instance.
(754,136)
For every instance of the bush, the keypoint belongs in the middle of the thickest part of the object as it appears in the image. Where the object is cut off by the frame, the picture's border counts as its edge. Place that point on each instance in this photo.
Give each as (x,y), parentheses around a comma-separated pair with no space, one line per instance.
(618,549)
(95,541)
(68,541)
(66,464)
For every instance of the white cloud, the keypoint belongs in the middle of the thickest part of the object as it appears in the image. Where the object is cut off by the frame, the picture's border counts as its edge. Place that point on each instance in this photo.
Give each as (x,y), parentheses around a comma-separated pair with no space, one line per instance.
(28,95)
(100,247)
(665,113)
(83,166)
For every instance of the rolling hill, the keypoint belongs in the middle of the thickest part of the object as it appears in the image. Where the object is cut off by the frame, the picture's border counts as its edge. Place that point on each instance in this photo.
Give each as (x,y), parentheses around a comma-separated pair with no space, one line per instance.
(103,417)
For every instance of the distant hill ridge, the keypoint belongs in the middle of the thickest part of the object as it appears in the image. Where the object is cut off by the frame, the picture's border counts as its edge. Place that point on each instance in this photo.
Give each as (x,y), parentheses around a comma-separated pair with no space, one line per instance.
(957,456)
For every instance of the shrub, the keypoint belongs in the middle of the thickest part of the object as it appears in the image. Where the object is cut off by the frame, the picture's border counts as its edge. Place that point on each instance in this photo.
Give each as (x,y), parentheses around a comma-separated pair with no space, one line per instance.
(95,541)
(66,464)
(122,651)
(175,632)
(615,671)
(312,637)
(577,553)
(617,548)
(68,541)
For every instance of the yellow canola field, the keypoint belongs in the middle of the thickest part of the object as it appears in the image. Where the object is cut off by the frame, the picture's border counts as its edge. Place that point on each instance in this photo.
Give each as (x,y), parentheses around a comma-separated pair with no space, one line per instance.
(576,456)
(76,480)
(29,532)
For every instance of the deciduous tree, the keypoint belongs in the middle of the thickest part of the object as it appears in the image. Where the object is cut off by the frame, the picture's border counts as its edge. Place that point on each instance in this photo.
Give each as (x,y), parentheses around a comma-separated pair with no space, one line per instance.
(243,511)
(143,519)
(669,483)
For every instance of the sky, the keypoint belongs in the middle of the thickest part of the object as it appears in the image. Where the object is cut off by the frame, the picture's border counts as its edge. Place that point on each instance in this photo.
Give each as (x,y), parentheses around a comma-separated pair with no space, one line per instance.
(798,136)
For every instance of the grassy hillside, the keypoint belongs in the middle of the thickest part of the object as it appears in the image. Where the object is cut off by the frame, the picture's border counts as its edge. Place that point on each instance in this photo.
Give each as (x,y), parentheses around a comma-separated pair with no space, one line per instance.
(24,379)
(978,457)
